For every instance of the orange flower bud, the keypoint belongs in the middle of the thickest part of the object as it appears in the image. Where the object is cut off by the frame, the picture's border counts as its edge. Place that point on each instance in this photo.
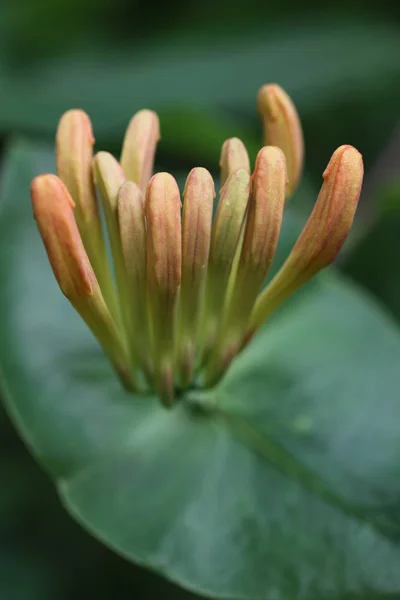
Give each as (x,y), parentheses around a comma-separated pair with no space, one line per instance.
(139,147)
(282,128)
(198,196)
(163,206)
(53,211)
(264,219)
(132,228)
(233,156)
(323,234)
(164,259)
(74,152)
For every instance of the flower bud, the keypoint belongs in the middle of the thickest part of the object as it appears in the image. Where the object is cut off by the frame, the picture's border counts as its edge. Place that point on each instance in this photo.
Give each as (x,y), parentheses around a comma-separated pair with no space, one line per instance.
(74,152)
(198,196)
(282,128)
(53,212)
(108,177)
(164,259)
(139,147)
(132,228)
(233,156)
(53,209)
(227,225)
(264,219)
(322,236)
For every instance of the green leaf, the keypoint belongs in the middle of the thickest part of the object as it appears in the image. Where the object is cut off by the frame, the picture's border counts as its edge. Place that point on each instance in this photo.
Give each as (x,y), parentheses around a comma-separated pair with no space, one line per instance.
(282,483)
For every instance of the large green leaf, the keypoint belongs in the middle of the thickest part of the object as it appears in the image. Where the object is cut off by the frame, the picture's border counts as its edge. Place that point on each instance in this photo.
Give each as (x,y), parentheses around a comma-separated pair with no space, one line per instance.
(282,483)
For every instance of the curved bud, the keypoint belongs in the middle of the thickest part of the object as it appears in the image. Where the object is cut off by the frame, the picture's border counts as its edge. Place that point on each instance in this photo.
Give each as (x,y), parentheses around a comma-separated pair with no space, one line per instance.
(227,225)
(198,196)
(139,147)
(53,212)
(53,209)
(282,128)
(74,152)
(132,228)
(164,259)
(233,156)
(322,236)
(264,220)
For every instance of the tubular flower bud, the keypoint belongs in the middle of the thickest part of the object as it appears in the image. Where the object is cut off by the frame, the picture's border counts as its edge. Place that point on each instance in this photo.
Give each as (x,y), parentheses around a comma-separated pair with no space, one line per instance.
(188,294)
(225,235)
(74,153)
(53,209)
(282,128)
(109,177)
(132,228)
(164,260)
(322,236)
(139,147)
(198,197)
(233,156)
(74,141)
(264,219)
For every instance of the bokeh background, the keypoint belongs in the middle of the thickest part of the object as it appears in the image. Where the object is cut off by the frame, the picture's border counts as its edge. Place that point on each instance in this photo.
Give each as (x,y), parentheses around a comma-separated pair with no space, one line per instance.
(200,65)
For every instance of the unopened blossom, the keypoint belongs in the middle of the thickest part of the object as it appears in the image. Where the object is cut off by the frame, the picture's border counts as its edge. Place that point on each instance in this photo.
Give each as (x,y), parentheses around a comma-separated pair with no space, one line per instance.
(184,294)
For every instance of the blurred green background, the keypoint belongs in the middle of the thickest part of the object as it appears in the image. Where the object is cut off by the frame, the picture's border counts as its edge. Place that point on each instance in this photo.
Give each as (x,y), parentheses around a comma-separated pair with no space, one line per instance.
(200,65)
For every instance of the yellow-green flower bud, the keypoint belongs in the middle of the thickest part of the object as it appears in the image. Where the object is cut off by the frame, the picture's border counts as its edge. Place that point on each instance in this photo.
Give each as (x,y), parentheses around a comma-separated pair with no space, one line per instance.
(109,177)
(139,147)
(225,236)
(233,156)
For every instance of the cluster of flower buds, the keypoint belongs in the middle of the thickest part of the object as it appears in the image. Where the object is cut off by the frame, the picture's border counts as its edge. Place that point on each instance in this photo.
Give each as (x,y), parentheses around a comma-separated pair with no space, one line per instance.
(182,295)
